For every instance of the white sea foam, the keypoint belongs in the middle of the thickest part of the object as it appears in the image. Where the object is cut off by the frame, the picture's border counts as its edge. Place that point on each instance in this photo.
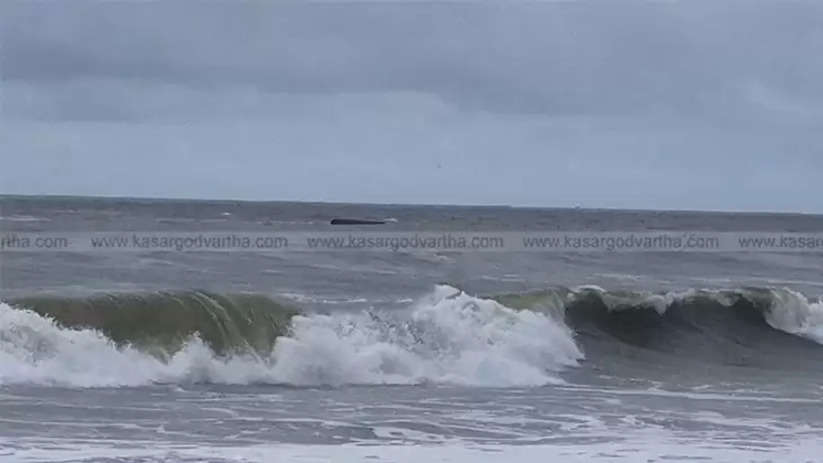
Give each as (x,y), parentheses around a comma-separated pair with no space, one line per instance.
(447,337)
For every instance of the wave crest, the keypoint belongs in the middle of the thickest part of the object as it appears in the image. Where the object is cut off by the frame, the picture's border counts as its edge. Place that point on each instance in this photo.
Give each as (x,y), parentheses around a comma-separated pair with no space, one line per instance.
(163,322)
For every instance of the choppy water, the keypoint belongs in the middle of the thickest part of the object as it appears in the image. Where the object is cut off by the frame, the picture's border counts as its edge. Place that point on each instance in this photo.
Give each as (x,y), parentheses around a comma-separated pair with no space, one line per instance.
(381,356)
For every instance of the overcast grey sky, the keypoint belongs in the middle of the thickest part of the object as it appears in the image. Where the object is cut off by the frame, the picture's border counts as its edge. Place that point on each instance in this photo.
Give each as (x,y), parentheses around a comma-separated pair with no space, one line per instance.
(671,105)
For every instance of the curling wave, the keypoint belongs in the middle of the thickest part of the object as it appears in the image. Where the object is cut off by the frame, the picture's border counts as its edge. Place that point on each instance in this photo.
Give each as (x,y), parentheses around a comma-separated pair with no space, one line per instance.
(755,327)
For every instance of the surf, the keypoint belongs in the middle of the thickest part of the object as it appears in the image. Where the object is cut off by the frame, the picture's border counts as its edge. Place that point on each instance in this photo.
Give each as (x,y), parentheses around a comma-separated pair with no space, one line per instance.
(444,337)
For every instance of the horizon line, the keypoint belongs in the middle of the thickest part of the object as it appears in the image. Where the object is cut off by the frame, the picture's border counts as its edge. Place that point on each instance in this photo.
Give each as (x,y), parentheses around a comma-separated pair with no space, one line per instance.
(391,204)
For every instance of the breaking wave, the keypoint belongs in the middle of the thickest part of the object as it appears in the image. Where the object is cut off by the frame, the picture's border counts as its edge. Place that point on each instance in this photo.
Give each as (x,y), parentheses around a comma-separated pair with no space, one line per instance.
(127,340)
(36,350)
(446,337)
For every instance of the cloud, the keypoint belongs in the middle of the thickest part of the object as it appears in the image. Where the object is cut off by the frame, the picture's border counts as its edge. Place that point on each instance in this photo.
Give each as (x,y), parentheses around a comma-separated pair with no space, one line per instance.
(570,58)
(660,105)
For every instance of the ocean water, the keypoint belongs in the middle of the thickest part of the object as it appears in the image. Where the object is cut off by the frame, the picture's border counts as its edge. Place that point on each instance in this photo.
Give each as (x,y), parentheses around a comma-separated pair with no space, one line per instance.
(112,356)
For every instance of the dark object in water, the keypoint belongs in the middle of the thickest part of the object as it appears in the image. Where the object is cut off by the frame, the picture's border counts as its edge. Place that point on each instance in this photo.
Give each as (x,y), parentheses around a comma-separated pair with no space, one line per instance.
(340,221)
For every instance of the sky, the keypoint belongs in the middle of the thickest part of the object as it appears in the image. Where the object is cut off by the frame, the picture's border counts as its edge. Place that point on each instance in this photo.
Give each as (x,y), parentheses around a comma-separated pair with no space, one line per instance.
(639,105)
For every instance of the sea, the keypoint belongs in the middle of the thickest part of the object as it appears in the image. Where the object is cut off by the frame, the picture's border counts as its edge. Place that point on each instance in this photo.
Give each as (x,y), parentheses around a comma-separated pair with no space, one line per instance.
(404,355)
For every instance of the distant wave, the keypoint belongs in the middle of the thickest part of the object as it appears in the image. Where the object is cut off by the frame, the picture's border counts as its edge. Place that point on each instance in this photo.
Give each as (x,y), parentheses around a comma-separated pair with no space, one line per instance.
(24,218)
(447,337)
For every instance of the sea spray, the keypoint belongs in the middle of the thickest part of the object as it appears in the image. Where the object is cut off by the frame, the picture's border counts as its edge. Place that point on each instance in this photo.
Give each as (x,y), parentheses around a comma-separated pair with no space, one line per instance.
(445,337)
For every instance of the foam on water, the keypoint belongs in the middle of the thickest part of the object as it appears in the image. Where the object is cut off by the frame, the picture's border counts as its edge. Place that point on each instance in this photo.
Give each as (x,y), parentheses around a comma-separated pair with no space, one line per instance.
(644,446)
